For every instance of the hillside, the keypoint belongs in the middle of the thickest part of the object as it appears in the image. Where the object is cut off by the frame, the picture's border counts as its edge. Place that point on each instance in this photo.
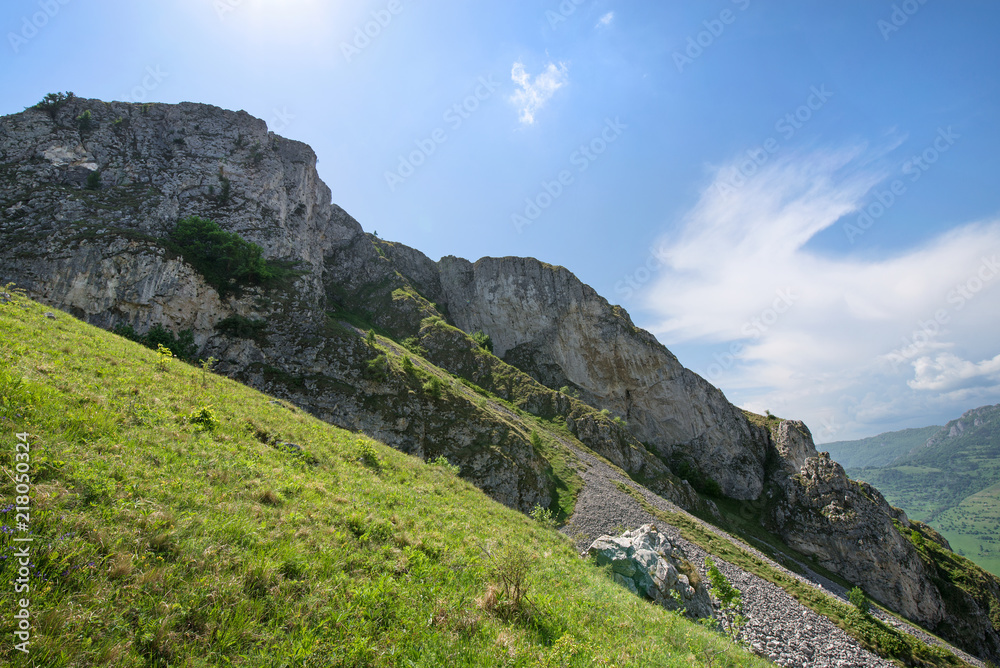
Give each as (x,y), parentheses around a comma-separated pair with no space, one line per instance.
(881,450)
(197,228)
(953,482)
(180,518)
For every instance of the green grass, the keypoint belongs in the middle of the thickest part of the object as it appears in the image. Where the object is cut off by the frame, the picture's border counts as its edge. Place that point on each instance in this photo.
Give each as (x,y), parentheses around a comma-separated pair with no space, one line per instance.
(264,537)
(868,631)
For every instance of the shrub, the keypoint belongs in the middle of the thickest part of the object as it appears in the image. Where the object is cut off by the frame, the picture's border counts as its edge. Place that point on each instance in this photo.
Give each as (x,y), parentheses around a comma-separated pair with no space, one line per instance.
(483,340)
(407,365)
(226,260)
(163,356)
(536,440)
(241,327)
(182,346)
(858,599)
(378,368)
(369,456)
(203,419)
(52,102)
(412,344)
(508,589)
(85,121)
(730,600)
(207,366)
(370,338)
(443,462)
(225,191)
(543,516)
(94,180)
(433,387)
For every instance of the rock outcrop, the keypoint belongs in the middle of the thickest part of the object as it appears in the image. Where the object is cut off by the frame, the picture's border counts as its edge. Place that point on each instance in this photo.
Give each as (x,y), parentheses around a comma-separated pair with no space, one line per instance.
(644,562)
(850,529)
(545,321)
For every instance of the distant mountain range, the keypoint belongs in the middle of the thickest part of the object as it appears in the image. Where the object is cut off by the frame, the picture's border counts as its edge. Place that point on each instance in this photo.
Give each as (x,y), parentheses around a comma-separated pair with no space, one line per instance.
(946,476)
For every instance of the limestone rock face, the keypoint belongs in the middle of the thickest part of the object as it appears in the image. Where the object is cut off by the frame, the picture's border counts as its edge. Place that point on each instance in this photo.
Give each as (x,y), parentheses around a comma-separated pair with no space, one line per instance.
(794,444)
(543,320)
(644,562)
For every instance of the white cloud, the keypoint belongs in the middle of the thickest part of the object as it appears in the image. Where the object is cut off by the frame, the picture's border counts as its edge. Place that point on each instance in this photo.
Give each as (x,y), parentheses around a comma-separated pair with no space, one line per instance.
(845,343)
(533,94)
(950,372)
(605,20)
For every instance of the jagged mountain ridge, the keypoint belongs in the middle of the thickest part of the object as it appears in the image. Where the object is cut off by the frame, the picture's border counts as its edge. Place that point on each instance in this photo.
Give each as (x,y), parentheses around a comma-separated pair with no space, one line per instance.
(99,253)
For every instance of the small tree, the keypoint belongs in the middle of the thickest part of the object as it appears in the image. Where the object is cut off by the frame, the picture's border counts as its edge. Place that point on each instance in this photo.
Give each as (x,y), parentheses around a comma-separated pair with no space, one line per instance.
(508,590)
(163,356)
(483,340)
(730,600)
(433,387)
(858,599)
(206,367)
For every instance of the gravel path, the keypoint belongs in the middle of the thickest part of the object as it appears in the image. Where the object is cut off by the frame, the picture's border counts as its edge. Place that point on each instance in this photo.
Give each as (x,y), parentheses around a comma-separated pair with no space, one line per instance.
(779,627)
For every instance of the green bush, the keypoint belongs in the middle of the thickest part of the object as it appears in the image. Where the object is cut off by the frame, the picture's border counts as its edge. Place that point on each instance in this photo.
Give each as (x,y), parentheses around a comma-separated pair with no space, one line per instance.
(543,516)
(412,344)
(507,594)
(224,259)
(378,368)
(407,365)
(433,387)
(94,180)
(730,600)
(52,102)
(203,419)
(85,121)
(858,599)
(241,327)
(182,345)
(443,462)
(483,340)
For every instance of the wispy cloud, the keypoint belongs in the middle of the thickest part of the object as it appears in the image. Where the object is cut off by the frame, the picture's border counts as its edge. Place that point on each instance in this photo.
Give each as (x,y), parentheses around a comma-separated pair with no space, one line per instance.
(534,94)
(605,20)
(853,343)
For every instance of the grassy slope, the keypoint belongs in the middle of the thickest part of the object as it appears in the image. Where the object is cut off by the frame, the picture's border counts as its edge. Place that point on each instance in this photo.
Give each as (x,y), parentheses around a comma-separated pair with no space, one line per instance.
(878,450)
(158,544)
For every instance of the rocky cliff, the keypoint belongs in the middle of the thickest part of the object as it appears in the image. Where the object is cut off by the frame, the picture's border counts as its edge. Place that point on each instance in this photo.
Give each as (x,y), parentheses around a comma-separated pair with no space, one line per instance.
(89,194)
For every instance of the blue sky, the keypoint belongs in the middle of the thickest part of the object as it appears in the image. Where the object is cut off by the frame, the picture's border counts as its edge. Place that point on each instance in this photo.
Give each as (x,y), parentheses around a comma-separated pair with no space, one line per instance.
(797,197)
